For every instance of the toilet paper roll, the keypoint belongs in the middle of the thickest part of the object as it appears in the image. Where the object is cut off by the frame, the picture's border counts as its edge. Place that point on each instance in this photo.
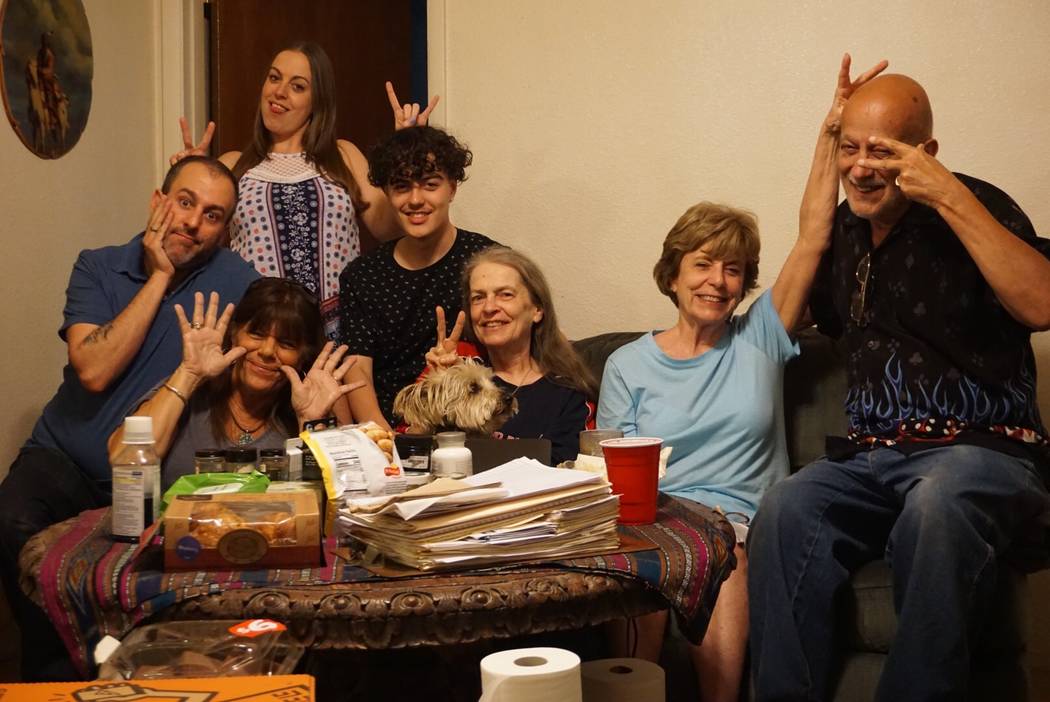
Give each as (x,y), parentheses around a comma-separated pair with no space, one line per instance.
(622,680)
(531,675)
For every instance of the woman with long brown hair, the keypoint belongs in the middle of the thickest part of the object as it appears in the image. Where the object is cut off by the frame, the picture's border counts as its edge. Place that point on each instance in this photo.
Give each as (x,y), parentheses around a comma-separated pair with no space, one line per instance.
(514,326)
(248,377)
(302,189)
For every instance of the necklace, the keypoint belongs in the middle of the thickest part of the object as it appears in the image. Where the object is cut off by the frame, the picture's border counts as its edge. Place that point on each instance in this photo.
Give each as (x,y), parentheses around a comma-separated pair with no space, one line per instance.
(247,435)
(524,377)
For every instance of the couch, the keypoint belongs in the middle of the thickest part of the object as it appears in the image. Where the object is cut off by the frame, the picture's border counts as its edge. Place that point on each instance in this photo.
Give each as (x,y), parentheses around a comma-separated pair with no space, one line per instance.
(814,388)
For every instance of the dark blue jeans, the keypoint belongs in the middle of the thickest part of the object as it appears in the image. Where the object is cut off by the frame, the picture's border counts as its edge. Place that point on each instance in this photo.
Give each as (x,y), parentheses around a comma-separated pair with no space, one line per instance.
(43,487)
(940,517)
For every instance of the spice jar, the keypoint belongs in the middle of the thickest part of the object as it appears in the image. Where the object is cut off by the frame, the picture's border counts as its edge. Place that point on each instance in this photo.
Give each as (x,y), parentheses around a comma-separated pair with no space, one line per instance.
(414,451)
(210,460)
(241,460)
(452,459)
(273,463)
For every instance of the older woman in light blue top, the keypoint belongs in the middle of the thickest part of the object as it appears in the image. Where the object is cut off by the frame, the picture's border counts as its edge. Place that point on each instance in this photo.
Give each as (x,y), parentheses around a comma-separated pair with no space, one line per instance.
(711,385)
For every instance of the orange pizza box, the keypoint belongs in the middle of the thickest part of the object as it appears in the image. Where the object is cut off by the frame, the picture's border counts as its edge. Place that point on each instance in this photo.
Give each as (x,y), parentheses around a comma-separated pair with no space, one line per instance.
(276,688)
(238,531)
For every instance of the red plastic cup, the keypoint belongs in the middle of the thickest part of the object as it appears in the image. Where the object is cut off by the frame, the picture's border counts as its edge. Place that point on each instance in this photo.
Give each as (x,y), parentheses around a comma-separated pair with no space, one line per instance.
(633,465)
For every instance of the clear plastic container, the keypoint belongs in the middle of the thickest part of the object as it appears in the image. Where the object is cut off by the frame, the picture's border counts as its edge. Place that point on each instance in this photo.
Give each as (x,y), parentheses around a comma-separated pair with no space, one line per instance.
(204,649)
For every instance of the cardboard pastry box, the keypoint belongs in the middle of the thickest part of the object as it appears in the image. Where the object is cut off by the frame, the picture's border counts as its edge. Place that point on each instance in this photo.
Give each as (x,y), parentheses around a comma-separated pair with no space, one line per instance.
(242,531)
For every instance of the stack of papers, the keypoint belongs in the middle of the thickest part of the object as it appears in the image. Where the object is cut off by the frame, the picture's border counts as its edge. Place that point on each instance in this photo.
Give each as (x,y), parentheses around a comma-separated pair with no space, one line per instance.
(521,510)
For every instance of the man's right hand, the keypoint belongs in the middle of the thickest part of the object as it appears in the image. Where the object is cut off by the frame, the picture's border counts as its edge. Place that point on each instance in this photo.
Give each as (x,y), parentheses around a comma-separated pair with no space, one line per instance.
(155,258)
(443,354)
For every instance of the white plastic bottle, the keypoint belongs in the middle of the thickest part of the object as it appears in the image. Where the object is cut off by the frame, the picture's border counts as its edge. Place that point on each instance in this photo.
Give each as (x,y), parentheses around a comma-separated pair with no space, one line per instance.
(451,459)
(136,481)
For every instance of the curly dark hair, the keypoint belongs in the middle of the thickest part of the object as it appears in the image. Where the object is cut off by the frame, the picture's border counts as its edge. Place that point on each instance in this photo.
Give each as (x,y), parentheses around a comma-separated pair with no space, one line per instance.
(416,153)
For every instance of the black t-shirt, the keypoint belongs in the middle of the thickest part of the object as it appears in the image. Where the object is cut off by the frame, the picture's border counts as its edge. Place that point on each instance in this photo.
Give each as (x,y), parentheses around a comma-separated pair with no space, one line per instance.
(547,410)
(387,311)
(935,355)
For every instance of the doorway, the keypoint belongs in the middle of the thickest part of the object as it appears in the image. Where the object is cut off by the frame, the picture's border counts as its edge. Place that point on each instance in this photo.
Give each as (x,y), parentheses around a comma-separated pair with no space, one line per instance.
(369,42)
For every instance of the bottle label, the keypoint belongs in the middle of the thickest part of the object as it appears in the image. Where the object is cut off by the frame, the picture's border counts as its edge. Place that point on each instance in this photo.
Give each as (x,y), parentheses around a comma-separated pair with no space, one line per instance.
(129,501)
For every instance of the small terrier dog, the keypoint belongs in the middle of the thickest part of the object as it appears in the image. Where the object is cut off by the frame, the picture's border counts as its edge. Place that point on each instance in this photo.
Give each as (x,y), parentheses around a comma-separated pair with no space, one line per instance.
(463,397)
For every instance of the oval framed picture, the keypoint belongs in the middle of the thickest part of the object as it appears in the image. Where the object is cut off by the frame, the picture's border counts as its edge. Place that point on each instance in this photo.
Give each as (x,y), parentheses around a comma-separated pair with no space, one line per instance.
(47,67)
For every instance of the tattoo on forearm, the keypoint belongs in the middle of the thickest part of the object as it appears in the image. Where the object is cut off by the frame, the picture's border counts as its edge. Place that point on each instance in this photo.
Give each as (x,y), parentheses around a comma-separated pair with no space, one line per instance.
(98,334)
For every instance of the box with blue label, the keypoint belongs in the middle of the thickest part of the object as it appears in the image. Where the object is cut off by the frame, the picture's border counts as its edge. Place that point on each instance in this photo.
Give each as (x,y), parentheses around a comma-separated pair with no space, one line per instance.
(242,531)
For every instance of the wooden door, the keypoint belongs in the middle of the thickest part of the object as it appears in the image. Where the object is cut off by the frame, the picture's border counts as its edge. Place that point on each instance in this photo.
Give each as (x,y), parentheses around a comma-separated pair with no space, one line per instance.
(369,42)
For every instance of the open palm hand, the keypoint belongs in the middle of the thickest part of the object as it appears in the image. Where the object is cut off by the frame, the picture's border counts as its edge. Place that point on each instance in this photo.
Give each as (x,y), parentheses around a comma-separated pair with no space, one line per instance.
(202,353)
(314,395)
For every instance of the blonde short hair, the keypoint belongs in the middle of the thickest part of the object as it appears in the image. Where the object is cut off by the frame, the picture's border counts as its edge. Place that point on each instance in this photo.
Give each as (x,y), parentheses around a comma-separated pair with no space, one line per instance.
(726,232)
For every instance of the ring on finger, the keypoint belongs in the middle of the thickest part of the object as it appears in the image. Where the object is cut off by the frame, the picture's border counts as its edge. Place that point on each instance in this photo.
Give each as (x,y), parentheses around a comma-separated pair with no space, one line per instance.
(196,325)
(897,181)
(154,229)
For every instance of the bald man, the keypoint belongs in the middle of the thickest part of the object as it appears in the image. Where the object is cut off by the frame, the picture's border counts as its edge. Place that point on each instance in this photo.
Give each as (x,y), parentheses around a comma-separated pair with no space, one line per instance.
(935,281)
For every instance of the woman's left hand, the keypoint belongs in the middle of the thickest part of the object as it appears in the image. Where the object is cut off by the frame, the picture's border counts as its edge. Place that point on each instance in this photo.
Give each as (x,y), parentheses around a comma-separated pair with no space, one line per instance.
(409,114)
(188,147)
(314,395)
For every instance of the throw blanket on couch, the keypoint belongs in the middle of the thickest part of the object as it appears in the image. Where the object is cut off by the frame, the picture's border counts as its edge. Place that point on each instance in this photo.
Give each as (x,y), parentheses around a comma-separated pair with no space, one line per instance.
(91,586)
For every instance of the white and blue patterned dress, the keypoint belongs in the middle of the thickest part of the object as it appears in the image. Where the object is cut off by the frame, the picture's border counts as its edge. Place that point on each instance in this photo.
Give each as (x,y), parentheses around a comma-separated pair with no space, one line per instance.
(291,222)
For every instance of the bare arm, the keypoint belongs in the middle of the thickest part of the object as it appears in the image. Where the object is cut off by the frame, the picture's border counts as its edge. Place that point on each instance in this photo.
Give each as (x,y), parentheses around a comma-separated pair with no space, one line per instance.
(363,401)
(817,212)
(100,353)
(229,159)
(378,217)
(1018,274)
(166,408)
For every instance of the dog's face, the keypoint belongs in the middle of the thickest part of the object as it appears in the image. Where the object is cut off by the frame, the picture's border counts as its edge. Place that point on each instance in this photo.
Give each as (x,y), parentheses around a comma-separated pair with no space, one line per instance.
(463,397)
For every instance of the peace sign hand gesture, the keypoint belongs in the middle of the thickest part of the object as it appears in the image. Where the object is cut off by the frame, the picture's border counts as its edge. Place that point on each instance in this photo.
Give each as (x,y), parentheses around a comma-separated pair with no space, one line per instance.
(443,354)
(313,396)
(409,115)
(189,149)
(202,355)
(914,170)
(845,89)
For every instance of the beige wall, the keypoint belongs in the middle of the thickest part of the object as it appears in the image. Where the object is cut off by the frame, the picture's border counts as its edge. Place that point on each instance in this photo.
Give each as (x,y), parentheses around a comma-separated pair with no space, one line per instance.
(95,195)
(595,123)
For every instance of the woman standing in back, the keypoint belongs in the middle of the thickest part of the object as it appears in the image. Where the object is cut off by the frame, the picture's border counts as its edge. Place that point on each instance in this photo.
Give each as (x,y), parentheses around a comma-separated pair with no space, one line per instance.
(302,190)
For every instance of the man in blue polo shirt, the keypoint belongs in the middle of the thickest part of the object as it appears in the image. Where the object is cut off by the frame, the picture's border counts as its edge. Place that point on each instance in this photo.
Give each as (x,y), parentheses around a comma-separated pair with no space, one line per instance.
(123,339)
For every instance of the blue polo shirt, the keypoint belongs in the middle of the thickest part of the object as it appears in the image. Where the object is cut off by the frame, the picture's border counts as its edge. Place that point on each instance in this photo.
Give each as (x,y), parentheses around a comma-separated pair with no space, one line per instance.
(103,283)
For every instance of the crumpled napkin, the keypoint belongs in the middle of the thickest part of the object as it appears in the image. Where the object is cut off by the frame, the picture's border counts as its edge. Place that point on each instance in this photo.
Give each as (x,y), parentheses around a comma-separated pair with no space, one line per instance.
(596,464)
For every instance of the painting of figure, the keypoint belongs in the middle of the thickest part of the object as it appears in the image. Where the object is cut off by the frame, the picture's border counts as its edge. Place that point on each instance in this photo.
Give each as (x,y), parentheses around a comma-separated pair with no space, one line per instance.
(47,66)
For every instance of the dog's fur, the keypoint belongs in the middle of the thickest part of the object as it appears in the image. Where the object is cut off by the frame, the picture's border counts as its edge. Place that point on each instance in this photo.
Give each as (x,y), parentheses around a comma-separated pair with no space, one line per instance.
(463,397)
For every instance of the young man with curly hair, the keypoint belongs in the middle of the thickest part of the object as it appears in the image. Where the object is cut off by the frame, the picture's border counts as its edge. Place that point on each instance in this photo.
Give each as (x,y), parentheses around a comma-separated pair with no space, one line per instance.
(388,297)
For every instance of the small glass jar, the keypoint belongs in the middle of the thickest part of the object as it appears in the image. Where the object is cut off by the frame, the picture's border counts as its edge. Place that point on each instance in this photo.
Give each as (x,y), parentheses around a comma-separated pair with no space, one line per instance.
(211,460)
(273,463)
(241,460)
(452,459)
(414,451)
(591,439)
